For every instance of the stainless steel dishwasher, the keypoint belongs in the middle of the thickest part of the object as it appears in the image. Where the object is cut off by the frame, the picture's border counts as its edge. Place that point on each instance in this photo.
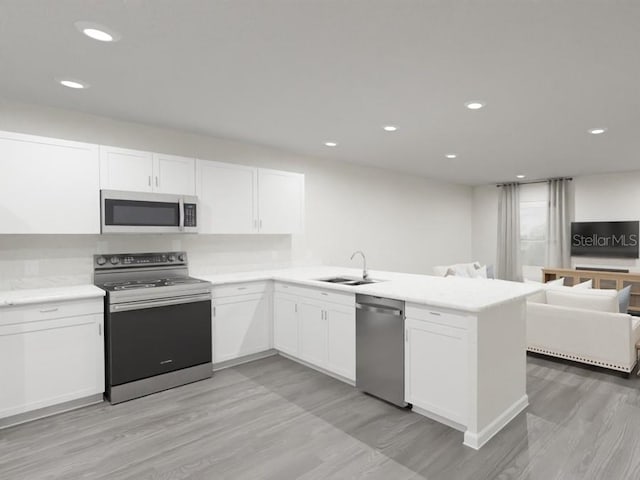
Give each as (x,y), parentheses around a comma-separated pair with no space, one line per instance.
(380,348)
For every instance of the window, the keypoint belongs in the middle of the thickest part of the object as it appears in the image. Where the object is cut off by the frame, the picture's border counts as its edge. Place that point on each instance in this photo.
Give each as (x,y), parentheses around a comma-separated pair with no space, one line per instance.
(533,224)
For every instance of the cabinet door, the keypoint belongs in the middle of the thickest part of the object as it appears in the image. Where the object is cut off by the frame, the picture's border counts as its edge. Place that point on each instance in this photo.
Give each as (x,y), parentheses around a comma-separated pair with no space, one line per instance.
(122,169)
(172,174)
(313,332)
(280,201)
(341,324)
(285,324)
(436,369)
(48,186)
(50,362)
(227,197)
(241,326)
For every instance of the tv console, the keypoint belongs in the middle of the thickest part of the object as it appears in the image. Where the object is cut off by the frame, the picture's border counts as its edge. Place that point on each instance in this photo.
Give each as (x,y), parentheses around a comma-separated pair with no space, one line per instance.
(601,279)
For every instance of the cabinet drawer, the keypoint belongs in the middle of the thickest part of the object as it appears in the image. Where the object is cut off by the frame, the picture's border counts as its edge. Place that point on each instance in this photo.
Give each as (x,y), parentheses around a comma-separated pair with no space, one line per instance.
(50,311)
(234,289)
(436,315)
(325,295)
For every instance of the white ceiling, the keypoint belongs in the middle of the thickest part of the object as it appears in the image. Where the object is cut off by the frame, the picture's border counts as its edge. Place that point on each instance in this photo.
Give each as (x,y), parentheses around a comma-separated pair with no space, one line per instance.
(296,73)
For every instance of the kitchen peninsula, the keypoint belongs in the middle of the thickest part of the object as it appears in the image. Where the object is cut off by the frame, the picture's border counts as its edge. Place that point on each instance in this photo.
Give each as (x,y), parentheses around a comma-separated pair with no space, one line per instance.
(465,362)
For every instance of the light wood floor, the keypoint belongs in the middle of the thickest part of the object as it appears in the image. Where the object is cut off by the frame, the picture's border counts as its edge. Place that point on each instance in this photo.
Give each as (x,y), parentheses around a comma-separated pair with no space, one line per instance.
(275,419)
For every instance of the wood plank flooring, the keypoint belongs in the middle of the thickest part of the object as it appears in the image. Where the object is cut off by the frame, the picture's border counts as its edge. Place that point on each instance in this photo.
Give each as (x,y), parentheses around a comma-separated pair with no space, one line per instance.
(276,419)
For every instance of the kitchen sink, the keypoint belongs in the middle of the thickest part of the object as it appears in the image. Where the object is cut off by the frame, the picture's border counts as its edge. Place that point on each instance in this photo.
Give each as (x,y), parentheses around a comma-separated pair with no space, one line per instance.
(349,281)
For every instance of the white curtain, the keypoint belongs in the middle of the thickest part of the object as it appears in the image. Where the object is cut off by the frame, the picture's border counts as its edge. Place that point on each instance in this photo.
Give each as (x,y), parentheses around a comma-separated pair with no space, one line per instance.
(559,223)
(508,265)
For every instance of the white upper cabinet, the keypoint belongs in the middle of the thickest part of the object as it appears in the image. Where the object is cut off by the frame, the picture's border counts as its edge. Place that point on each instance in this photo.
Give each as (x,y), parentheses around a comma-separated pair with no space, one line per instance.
(122,169)
(173,174)
(48,186)
(227,195)
(280,201)
(240,199)
(139,171)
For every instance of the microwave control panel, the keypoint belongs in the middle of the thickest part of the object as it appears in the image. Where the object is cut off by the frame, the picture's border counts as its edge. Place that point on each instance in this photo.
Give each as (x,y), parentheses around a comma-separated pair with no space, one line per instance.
(190,215)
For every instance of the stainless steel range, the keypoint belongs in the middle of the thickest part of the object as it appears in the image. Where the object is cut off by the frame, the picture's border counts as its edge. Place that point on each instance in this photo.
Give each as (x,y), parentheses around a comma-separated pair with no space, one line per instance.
(157,323)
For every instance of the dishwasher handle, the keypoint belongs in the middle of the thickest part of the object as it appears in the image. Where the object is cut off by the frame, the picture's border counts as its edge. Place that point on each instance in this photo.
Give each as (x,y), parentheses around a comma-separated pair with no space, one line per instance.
(396,312)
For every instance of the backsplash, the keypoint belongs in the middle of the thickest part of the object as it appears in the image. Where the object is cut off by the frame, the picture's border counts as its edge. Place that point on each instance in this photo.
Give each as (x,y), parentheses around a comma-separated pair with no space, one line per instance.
(35,261)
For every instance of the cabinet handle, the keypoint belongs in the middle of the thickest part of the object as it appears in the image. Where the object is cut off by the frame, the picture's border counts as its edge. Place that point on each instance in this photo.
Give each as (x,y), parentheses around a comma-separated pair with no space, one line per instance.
(214,311)
(435,313)
(242,288)
(99,330)
(49,310)
(324,293)
(260,223)
(255,224)
(296,307)
(156,180)
(149,180)
(406,335)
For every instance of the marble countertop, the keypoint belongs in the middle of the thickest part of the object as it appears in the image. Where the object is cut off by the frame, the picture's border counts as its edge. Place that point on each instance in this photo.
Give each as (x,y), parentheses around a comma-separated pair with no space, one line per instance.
(463,294)
(44,295)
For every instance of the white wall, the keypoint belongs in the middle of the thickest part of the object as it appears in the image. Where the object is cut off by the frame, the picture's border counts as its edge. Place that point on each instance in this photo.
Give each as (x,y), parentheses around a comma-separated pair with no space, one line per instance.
(402,222)
(607,197)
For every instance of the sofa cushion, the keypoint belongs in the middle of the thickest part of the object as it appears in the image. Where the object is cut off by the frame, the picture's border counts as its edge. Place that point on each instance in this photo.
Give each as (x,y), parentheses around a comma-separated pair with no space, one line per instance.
(586,299)
(624,297)
(587,284)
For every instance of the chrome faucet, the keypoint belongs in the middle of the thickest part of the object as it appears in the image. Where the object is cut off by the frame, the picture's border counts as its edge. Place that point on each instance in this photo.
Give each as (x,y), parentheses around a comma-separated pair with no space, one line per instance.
(365,274)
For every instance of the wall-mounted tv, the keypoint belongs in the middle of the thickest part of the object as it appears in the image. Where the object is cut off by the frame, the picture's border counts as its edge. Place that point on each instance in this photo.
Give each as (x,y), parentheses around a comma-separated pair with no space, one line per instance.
(605,239)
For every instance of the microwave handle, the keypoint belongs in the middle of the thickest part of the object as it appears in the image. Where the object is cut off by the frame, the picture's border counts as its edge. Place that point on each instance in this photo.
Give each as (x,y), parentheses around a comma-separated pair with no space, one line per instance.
(181,203)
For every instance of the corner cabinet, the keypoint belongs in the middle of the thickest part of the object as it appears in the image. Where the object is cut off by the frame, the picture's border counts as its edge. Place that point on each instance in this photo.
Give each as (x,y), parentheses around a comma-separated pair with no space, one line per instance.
(51,354)
(48,186)
(236,199)
(316,326)
(241,320)
(140,171)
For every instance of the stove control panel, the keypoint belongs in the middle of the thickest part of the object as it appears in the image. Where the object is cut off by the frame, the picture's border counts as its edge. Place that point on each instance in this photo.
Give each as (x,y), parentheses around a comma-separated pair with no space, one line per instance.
(123,260)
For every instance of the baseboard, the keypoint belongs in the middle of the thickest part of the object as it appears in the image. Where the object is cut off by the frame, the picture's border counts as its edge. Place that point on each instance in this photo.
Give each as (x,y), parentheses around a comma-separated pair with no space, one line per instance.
(245,359)
(319,369)
(49,411)
(476,440)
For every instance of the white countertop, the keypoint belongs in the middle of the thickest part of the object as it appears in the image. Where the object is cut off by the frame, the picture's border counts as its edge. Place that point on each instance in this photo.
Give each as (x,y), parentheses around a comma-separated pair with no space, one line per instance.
(44,295)
(464,294)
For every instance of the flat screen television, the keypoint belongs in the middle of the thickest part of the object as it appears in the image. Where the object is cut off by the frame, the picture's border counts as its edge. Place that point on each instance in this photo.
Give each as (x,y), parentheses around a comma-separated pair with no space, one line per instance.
(605,239)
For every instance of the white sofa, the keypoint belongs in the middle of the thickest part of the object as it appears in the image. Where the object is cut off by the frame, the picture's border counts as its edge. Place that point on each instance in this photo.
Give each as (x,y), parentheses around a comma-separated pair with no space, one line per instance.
(582,325)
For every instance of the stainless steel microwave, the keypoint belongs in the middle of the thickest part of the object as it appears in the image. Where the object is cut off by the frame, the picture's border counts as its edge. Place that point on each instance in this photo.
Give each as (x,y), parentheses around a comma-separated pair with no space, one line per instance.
(140,212)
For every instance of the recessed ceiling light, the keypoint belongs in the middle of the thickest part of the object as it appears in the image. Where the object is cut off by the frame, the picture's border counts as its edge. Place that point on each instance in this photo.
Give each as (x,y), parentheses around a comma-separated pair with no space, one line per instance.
(520,176)
(331,144)
(451,155)
(97,32)
(597,131)
(474,105)
(73,84)
(390,128)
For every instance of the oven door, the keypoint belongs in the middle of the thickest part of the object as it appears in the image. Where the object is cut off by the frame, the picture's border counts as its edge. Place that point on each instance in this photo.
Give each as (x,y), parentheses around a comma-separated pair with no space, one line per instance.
(140,212)
(150,338)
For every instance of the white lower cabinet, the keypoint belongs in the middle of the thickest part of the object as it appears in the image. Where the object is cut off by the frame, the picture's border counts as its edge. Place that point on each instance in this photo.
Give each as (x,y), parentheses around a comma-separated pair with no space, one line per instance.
(322,333)
(48,357)
(285,323)
(436,368)
(313,332)
(341,340)
(241,321)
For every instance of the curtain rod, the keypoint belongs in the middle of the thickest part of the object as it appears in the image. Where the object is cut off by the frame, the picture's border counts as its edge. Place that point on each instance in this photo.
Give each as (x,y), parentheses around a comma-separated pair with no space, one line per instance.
(535,181)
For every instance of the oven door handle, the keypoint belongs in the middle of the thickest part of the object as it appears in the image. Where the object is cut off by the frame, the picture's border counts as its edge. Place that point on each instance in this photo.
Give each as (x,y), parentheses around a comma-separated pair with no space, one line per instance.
(181,206)
(123,307)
